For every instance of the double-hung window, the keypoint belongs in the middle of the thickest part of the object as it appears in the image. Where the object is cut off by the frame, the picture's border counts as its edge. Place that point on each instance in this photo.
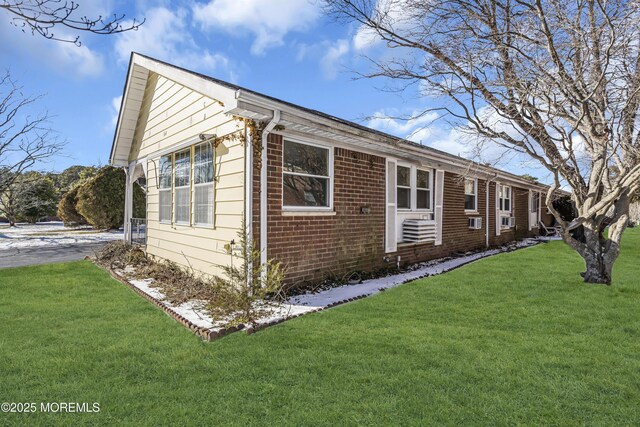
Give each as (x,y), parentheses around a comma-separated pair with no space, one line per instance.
(423,189)
(164,192)
(306,176)
(404,187)
(535,202)
(505,198)
(182,186)
(471,195)
(203,184)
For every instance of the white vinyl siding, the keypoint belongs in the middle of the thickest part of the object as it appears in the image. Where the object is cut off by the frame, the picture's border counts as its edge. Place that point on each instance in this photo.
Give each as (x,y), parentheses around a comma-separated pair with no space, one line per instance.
(182,186)
(203,184)
(172,115)
(164,191)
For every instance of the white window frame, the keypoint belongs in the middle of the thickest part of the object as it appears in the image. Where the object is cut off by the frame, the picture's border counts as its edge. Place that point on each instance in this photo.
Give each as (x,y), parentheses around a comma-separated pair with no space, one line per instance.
(165,190)
(182,187)
(535,196)
(329,208)
(502,198)
(203,184)
(411,187)
(415,190)
(505,213)
(475,194)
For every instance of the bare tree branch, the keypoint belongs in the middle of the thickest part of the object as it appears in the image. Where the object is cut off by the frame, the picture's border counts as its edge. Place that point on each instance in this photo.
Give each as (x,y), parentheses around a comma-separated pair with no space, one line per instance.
(24,140)
(41,16)
(557,80)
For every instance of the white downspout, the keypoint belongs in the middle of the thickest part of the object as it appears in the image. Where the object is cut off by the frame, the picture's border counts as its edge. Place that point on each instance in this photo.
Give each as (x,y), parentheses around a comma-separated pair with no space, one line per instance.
(128,201)
(486,225)
(263,188)
(248,190)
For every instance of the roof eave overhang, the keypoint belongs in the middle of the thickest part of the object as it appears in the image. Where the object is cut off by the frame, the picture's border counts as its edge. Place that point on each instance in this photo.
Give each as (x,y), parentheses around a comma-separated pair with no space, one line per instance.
(139,69)
(251,105)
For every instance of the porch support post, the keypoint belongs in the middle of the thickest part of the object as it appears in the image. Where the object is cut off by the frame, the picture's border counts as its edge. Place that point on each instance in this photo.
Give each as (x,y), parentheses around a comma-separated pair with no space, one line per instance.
(128,201)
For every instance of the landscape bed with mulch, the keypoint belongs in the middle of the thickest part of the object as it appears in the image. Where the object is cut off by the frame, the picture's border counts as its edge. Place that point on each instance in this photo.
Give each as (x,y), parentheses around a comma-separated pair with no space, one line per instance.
(187,297)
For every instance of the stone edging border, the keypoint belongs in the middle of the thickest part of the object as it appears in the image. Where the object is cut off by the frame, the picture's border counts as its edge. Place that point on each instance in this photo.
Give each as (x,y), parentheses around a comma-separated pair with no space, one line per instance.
(209,335)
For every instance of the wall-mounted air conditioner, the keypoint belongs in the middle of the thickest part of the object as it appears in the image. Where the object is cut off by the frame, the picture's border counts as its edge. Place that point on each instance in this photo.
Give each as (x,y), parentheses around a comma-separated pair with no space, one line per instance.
(475,223)
(418,230)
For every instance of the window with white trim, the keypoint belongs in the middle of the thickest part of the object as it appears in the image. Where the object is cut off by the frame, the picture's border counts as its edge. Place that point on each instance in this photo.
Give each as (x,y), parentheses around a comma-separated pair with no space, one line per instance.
(505,198)
(535,201)
(203,184)
(164,192)
(423,189)
(470,194)
(182,186)
(403,185)
(306,176)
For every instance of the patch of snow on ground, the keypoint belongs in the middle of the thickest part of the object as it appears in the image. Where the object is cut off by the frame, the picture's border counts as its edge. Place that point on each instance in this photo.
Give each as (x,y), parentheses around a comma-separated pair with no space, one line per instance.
(301,304)
(52,234)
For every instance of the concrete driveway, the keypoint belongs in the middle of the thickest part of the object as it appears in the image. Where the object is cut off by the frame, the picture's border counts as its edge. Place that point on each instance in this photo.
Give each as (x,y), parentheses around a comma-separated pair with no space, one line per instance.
(19,257)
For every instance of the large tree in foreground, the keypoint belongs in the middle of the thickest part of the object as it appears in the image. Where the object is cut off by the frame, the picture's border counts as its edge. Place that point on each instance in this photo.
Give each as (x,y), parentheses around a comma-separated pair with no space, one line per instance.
(42,16)
(558,80)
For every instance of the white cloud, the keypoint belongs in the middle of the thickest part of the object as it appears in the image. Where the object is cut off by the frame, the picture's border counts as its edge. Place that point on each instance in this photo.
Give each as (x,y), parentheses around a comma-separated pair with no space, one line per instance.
(331,59)
(165,35)
(115,110)
(268,21)
(365,38)
(394,124)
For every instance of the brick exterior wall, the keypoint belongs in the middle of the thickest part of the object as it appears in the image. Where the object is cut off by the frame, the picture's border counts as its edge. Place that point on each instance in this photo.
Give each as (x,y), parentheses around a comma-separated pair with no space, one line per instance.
(314,248)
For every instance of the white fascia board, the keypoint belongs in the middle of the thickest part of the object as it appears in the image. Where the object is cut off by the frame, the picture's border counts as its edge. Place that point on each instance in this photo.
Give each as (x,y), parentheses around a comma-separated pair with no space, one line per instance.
(116,136)
(260,105)
(193,82)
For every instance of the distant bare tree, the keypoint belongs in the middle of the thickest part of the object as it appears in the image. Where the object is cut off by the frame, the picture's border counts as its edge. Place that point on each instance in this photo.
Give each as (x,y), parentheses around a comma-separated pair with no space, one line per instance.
(41,16)
(557,80)
(25,140)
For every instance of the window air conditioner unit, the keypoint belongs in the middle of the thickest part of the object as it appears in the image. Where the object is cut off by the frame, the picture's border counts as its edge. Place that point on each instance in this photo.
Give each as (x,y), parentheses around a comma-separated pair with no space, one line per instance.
(512,221)
(418,230)
(475,223)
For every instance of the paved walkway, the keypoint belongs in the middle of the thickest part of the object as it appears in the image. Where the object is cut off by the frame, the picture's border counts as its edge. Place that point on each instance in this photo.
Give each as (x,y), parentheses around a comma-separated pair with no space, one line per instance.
(20,257)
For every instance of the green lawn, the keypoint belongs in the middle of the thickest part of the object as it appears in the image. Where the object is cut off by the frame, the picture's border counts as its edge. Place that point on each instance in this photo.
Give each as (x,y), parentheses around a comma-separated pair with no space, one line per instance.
(513,339)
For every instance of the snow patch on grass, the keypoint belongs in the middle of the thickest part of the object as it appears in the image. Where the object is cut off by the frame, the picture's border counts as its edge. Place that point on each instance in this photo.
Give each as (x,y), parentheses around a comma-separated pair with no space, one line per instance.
(52,234)
(195,311)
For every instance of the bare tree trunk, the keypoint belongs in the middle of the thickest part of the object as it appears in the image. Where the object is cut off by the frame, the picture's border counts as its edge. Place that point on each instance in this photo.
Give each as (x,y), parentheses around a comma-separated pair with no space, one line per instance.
(599,252)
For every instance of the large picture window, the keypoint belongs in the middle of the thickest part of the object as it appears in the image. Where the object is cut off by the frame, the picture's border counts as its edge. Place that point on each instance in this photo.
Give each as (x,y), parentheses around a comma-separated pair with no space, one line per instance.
(164,193)
(423,189)
(306,178)
(181,186)
(203,184)
(404,187)
(470,194)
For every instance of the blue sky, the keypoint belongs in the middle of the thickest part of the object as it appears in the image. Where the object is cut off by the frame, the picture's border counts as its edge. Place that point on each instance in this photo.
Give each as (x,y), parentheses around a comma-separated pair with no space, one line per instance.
(284,48)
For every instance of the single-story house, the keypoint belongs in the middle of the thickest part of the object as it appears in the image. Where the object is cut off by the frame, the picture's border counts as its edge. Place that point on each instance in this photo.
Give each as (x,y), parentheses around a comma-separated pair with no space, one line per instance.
(323,195)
